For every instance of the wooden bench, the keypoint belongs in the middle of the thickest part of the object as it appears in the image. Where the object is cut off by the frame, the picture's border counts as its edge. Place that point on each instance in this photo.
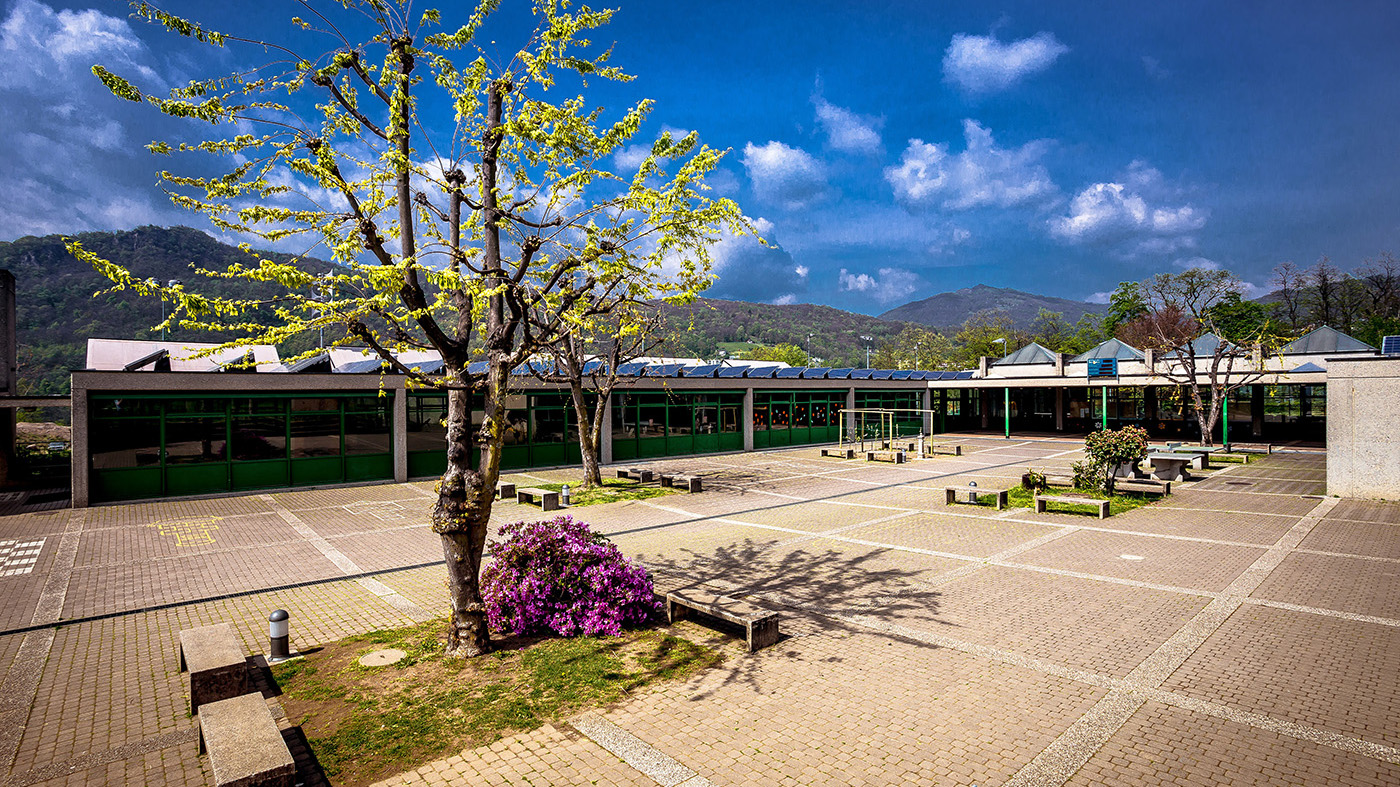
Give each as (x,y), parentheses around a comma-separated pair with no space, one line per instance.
(217,665)
(897,457)
(505,490)
(840,453)
(974,493)
(1145,485)
(548,501)
(244,745)
(642,476)
(760,625)
(1101,505)
(690,483)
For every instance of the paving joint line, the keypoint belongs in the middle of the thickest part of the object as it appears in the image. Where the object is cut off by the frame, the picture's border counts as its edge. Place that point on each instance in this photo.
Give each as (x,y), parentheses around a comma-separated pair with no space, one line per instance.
(647,759)
(347,566)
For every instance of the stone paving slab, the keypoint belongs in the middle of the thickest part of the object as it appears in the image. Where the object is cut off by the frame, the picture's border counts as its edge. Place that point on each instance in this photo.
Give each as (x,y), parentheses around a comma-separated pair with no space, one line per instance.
(1185,564)
(1103,627)
(901,713)
(1213,500)
(1346,584)
(1318,670)
(681,547)
(143,513)
(181,536)
(303,499)
(811,517)
(979,536)
(115,588)
(390,549)
(1161,745)
(1374,539)
(33,525)
(1367,511)
(1261,529)
(1234,483)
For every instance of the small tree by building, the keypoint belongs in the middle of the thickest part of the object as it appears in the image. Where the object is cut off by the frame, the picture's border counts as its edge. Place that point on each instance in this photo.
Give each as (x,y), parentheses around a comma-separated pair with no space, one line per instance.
(479,232)
(1194,321)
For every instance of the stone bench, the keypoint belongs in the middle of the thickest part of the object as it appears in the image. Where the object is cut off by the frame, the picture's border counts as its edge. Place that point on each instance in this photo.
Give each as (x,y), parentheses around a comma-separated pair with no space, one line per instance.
(244,745)
(934,449)
(548,500)
(505,490)
(760,625)
(897,457)
(840,453)
(218,668)
(1144,485)
(1250,448)
(1101,505)
(642,476)
(1171,467)
(974,493)
(690,483)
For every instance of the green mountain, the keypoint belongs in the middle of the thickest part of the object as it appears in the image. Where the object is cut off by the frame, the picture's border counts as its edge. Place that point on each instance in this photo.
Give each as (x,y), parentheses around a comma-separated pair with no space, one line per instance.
(950,309)
(697,329)
(57,309)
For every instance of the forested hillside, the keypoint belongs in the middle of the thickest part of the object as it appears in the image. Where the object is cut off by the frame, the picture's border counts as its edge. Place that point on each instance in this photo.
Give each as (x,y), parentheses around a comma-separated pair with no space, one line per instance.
(57,311)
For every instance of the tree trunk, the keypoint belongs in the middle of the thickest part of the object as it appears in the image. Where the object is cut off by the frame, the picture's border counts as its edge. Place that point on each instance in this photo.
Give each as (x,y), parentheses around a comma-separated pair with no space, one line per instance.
(463,513)
(588,443)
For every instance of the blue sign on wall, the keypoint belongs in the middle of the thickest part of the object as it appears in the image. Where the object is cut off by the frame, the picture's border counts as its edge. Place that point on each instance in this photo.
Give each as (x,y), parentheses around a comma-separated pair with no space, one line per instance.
(1103,367)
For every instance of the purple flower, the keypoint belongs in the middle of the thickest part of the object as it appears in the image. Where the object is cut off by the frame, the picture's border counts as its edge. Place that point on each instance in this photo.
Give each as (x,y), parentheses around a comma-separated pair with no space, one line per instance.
(558,576)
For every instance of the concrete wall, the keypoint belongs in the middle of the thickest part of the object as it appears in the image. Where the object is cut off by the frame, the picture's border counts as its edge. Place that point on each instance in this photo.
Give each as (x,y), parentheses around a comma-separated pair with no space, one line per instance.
(1363,428)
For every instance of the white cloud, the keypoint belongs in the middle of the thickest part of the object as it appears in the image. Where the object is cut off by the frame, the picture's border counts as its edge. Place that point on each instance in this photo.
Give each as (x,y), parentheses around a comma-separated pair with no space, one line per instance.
(784,175)
(1118,212)
(784,300)
(982,64)
(628,159)
(748,270)
(890,284)
(1154,68)
(39,46)
(1196,263)
(845,130)
(982,175)
(1100,297)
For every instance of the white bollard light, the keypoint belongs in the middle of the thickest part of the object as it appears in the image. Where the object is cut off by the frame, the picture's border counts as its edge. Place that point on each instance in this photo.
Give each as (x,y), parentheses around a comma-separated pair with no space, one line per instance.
(278,627)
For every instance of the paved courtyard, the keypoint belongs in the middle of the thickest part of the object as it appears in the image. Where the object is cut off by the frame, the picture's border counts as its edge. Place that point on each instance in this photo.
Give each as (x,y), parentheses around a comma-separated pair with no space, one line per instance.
(1244,631)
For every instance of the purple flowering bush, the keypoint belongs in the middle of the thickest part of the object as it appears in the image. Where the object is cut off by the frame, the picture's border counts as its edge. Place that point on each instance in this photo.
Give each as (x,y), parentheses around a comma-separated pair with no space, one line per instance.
(558,576)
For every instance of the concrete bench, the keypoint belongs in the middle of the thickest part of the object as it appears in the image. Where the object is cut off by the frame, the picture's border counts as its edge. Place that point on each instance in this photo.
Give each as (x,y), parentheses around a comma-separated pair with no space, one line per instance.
(944,448)
(548,500)
(216,662)
(1051,479)
(505,490)
(1250,448)
(1101,505)
(973,493)
(1144,485)
(1170,467)
(1200,457)
(244,746)
(897,457)
(760,625)
(642,476)
(840,453)
(690,483)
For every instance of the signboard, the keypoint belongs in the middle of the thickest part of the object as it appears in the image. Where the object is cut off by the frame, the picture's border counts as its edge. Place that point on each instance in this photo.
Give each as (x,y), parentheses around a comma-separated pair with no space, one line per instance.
(1103,367)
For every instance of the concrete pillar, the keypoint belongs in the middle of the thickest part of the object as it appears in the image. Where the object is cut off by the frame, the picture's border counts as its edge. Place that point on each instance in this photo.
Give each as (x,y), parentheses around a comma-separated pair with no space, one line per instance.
(605,435)
(400,435)
(1256,410)
(984,366)
(928,405)
(1060,364)
(1060,408)
(1149,358)
(850,405)
(748,419)
(81,448)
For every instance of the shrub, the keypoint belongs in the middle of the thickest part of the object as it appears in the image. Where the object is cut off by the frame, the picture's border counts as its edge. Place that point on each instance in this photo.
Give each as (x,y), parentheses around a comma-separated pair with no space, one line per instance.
(1106,450)
(558,576)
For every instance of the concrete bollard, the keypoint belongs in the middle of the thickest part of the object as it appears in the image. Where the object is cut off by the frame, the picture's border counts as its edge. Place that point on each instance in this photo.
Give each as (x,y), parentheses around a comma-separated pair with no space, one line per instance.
(278,628)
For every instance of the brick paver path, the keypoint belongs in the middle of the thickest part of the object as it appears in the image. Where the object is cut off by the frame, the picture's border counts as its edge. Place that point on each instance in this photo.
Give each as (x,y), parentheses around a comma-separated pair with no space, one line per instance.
(1247,630)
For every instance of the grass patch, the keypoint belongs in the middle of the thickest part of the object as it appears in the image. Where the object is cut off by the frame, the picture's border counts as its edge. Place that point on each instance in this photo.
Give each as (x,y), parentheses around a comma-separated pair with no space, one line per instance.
(612,491)
(367,723)
(1020,497)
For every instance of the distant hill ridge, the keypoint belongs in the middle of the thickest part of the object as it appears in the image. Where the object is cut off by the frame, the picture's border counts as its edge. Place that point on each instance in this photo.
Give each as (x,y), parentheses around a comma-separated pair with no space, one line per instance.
(949,309)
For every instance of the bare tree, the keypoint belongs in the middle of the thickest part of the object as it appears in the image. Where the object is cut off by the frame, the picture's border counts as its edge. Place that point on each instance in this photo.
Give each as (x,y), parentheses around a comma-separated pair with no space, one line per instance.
(1289,283)
(1324,285)
(1191,299)
(1382,279)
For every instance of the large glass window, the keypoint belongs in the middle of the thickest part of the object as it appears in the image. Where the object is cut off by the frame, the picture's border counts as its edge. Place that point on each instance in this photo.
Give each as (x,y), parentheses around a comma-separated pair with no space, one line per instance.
(315,434)
(259,437)
(367,433)
(426,428)
(190,440)
(126,442)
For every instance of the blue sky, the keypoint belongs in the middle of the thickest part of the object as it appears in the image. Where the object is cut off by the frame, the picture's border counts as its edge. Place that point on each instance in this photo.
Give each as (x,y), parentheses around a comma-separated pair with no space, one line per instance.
(890,150)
